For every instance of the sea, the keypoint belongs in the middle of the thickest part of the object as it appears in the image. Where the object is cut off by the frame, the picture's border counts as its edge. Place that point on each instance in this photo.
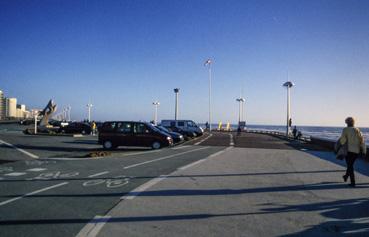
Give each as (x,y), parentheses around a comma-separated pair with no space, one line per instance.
(332,133)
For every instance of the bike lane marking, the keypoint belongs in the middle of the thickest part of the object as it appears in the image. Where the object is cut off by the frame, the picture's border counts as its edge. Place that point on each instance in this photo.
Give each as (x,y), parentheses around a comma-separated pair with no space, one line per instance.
(15,174)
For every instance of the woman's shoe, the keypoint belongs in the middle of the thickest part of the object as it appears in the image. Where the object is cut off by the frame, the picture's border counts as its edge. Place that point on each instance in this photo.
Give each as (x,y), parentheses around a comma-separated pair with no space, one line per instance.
(345,177)
(352,185)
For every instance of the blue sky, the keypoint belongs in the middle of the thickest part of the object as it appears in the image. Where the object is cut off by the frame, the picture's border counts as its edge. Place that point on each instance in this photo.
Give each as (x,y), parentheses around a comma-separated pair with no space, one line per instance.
(124,55)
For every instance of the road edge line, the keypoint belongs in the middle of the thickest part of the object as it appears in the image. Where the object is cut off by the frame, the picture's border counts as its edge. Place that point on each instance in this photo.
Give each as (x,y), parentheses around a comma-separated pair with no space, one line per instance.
(32,193)
(93,227)
(20,150)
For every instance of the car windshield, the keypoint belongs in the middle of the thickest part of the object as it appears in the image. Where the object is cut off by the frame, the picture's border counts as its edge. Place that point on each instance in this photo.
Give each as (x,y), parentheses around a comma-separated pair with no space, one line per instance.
(163,129)
(152,127)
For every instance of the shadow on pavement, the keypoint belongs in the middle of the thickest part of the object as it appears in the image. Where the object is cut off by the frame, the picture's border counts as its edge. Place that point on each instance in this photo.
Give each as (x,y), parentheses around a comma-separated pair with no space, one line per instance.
(180,176)
(347,217)
(210,192)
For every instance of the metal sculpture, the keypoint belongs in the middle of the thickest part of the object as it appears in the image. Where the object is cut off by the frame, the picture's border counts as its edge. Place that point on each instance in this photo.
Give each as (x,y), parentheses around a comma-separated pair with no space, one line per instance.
(46,113)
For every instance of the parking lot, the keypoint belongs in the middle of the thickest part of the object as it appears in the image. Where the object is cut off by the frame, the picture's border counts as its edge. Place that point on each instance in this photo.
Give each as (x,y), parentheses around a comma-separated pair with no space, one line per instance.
(15,145)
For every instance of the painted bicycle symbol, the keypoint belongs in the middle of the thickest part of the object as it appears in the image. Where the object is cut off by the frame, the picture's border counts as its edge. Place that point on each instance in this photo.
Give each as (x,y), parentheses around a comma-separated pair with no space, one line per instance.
(56,175)
(115,182)
(39,162)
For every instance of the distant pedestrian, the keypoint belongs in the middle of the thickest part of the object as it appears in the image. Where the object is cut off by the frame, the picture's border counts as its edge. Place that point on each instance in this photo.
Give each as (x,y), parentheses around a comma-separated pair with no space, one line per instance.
(206,125)
(239,130)
(353,139)
(93,128)
(294,132)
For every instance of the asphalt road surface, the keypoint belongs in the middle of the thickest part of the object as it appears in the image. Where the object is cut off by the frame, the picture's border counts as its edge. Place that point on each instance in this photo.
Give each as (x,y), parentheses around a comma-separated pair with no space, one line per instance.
(57,197)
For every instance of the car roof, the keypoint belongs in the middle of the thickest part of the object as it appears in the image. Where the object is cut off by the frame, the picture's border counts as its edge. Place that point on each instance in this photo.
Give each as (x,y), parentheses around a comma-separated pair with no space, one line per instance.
(119,121)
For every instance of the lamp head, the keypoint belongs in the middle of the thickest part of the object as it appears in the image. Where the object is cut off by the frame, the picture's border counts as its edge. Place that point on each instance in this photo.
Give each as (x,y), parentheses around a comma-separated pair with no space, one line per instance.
(288,84)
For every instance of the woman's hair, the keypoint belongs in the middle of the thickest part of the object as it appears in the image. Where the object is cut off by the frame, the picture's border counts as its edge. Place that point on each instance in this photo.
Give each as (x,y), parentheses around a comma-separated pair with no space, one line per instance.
(350,121)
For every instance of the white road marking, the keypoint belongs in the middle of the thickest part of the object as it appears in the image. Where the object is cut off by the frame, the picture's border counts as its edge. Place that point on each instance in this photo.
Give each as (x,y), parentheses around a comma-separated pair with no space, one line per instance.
(218,153)
(32,193)
(198,143)
(231,142)
(142,152)
(98,174)
(14,174)
(134,193)
(62,158)
(163,158)
(180,147)
(20,150)
(191,164)
(36,169)
(93,227)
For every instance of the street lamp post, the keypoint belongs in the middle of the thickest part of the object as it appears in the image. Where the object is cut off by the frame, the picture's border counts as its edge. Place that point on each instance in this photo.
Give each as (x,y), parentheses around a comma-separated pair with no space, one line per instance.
(288,85)
(65,110)
(240,109)
(89,106)
(176,91)
(69,109)
(208,65)
(35,113)
(156,104)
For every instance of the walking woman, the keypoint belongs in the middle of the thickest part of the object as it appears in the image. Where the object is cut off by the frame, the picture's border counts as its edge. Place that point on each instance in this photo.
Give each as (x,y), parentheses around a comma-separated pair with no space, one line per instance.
(352,137)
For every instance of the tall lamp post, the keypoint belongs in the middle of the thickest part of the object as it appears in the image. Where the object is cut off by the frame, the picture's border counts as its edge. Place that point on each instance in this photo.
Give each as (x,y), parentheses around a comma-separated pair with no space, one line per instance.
(176,91)
(288,85)
(240,109)
(156,104)
(89,106)
(69,109)
(207,64)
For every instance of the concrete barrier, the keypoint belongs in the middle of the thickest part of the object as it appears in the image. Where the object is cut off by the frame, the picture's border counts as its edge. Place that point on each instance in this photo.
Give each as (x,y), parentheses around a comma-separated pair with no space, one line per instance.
(329,143)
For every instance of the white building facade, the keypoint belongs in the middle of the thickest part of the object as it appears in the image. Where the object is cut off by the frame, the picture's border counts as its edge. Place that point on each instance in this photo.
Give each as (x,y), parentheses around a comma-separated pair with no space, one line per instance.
(11,107)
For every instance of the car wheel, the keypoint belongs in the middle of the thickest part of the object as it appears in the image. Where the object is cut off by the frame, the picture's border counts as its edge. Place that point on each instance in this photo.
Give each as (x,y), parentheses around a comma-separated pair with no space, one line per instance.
(156,145)
(62,131)
(108,145)
(83,132)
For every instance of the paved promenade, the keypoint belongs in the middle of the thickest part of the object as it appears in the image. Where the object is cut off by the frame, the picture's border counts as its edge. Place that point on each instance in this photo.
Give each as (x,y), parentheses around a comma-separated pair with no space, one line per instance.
(249,192)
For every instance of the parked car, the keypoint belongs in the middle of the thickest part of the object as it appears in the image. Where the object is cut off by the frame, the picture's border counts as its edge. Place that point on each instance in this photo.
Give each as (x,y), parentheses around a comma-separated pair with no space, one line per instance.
(76,127)
(58,123)
(129,133)
(186,134)
(177,137)
(186,125)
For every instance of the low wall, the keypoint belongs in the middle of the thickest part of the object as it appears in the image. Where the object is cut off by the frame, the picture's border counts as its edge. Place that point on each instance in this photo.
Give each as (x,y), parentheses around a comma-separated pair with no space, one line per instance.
(329,143)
